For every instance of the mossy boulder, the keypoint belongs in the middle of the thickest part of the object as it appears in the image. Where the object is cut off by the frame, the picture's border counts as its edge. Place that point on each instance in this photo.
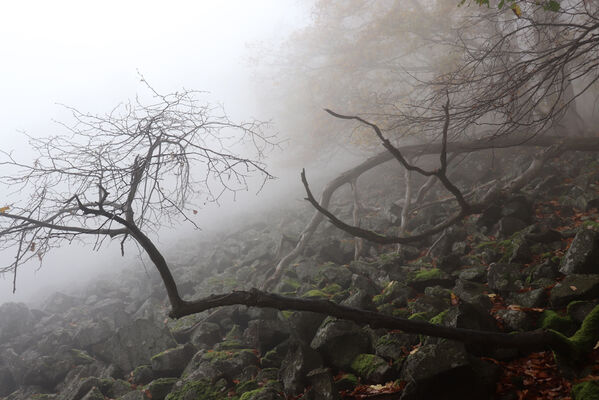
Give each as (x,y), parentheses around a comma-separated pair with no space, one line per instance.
(395,292)
(430,277)
(159,388)
(202,389)
(586,391)
(551,320)
(371,368)
(340,341)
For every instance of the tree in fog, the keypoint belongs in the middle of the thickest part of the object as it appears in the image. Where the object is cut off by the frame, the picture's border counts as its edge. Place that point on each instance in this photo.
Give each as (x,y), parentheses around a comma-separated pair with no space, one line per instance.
(123,175)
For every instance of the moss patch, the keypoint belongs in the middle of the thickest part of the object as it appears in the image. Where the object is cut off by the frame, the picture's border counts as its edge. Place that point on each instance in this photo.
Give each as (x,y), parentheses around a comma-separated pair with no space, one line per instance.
(583,341)
(586,391)
(438,319)
(426,274)
(366,364)
(551,320)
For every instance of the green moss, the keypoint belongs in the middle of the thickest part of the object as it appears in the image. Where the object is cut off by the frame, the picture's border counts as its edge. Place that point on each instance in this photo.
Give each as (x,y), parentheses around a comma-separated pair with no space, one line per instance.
(586,391)
(252,393)
(292,283)
(246,386)
(552,320)
(426,274)
(366,364)
(582,342)
(590,224)
(234,333)
(286,314)
(400,312)
(421,316)
(81,357)
(332,288)
(232,344)
(438,319)
(315,294)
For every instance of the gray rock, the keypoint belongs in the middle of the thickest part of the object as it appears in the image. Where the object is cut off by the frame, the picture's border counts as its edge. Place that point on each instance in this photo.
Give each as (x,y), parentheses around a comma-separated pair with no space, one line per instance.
(583,255)
(575,287)
(505,277)
(159,388)
(361,300)
(7,381)
(532,298)
(359,282)
(172,362)
(516,320)
(60,302)
(473,293)
(323,385)
(340,341)
(134,344)
(300,359)
(393,345)
(265,334)
(15,319)
(371,368)
(510,225)
(206,335)
(474,274)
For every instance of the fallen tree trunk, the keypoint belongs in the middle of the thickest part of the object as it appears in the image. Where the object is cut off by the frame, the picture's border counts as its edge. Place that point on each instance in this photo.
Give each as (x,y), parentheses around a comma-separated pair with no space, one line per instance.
(573,348)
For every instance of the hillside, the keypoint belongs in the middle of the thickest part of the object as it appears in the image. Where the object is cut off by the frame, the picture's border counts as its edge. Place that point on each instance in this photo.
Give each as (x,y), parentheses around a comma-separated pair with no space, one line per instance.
(527,263)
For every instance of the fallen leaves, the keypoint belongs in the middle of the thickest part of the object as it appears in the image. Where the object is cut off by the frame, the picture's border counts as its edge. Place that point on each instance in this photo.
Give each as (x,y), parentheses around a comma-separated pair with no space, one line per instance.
(373,391)
(535,376)
(4,209)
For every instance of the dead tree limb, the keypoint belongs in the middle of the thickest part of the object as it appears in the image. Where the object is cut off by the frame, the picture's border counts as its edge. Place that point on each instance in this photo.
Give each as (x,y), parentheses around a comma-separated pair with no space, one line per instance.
(525,341)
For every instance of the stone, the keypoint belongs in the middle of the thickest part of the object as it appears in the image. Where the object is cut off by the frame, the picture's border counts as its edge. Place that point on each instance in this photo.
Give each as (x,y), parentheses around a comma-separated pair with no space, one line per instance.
(583,255)
(15,319)
(206,335)
(159,388)
(515,320)
(300,359)
(510,225)
(172,362)
(532,298)
(473,293)
(361,300)
(134,344)
(575,287)
(265,334)
(323,385)
(393,345)
(505,277)
(371,368)
(340,341)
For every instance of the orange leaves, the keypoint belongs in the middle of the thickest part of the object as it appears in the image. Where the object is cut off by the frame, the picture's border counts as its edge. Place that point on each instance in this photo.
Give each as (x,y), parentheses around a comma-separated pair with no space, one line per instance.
(4,209)
(535,376)
(455,300)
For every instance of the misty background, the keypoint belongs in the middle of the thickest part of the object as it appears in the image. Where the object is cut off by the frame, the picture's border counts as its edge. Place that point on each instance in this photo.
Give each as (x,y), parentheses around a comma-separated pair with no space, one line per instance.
(91,56)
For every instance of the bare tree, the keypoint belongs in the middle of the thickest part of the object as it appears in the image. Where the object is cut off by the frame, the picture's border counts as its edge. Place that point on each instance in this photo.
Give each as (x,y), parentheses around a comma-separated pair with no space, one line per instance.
(125,174)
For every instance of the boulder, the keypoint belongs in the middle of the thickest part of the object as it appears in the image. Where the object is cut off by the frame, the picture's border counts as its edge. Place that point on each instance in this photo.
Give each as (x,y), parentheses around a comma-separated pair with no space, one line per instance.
(371,368)
(206,335)
(134,344)
(322,385)
(340,341)
(505,277)
(265,334)
(583,255)
(15,320)
(575,287)
(172,362)
(300,359)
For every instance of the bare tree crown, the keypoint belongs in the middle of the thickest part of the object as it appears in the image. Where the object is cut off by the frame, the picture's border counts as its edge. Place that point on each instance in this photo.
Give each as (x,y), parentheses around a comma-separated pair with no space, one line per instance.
(137,167)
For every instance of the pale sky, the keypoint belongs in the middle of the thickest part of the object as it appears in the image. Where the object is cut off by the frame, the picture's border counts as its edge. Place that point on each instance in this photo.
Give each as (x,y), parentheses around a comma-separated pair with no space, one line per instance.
(87,55)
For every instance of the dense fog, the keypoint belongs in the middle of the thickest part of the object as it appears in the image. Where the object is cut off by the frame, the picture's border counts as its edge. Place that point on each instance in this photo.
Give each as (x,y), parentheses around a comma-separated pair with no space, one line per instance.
(92,57)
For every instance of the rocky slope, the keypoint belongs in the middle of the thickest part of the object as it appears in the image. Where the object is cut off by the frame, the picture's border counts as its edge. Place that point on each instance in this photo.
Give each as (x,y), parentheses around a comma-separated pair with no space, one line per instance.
(530,262)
